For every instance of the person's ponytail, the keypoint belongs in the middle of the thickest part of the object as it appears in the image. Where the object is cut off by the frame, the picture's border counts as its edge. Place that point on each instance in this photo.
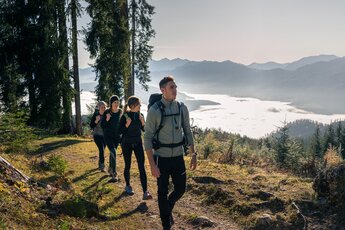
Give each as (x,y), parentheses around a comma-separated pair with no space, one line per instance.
(126,108)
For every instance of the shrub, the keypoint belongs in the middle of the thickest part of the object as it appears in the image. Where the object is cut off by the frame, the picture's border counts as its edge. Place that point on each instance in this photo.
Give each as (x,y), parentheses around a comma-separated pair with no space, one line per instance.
(332,158)
(57,164)
(15,134)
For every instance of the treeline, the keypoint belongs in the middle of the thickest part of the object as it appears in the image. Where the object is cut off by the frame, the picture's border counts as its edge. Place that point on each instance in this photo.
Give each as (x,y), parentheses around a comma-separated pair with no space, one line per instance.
(279,151)
(38,39)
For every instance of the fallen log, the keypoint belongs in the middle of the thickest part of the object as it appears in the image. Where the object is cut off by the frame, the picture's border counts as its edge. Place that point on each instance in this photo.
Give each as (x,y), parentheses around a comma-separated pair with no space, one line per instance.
(14,173)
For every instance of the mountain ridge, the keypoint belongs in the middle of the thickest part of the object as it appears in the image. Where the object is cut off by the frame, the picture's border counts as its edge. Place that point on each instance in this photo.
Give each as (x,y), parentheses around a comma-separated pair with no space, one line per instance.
(316,86)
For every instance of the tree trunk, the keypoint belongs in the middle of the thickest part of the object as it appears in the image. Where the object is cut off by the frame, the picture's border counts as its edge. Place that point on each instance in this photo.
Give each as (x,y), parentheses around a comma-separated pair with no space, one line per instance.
(66,87)
(32,99)
(129,81)
(132,79)
(79,130)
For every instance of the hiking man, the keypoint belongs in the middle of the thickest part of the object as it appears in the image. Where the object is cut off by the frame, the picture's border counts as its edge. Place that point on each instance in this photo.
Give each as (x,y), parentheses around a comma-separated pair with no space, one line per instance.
(163,142)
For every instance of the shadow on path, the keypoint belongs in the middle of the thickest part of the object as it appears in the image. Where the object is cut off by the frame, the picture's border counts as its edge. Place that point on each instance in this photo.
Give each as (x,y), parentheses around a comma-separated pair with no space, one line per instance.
(142,208)
(86,175)
(44,148)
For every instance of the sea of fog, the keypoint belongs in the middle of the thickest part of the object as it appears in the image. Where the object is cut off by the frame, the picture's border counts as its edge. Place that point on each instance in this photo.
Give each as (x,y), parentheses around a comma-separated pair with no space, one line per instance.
(246,116)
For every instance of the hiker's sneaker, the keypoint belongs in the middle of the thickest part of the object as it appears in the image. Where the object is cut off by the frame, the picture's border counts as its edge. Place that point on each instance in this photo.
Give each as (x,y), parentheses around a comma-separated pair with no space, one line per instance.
(114,178)
(147,196)
(111,172)
(129,190)
(113,175)
(101,168)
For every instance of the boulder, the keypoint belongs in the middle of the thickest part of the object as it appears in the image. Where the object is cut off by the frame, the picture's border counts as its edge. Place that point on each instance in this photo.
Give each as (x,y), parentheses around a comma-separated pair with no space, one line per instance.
(329,185)
(264,220)
(203,221)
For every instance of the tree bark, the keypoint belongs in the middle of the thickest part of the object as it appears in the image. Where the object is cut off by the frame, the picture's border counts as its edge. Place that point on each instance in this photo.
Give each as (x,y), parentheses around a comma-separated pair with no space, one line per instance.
(79,129)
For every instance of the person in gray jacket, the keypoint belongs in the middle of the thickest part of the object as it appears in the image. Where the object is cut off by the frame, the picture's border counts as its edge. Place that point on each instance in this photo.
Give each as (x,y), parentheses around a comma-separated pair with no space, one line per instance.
(166,159)
(98,135)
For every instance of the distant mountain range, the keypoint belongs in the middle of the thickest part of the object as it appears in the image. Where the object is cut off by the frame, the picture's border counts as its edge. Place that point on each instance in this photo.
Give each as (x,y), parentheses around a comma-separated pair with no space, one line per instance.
(293,65)
(314,83)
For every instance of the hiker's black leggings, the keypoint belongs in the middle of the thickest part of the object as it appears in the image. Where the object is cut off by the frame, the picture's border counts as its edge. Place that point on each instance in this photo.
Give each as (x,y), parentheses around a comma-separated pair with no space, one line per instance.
(174,167)
(100,142)
(127,150)
(112,143)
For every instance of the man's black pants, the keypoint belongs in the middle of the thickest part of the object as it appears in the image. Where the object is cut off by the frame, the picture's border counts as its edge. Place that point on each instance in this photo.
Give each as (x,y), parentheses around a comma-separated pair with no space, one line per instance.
(174,167)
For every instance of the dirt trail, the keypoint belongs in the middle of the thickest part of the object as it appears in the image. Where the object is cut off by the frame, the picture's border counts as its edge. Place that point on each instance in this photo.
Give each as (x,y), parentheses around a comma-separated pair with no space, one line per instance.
(186,208)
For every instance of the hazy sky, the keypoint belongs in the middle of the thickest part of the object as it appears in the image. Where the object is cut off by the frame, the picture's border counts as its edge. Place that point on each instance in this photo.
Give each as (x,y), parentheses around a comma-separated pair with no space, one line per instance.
(245,31)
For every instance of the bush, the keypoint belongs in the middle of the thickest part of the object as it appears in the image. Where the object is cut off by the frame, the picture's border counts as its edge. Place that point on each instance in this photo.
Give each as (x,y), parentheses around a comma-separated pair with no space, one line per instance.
(15,134)
(332,158)
(57,164)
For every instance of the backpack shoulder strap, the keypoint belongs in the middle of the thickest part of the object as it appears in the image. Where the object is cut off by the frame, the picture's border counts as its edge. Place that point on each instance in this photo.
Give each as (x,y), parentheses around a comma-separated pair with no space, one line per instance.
(161,108)
(180,105)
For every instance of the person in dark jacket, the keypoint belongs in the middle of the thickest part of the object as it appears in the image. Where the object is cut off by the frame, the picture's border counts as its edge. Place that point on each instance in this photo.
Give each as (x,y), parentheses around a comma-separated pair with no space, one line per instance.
(110,124)
(131,124)
(98,136)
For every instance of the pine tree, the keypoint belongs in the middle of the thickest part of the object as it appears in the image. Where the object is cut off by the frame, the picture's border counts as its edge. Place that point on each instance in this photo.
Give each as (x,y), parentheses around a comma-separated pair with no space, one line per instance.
(338,135)
(49,66)
(11,78)
(315,144)
(141,52)
(75,9)
(342,142)
(118,39)
(122,47)
(340,139)
(102,40)
(64,57)
(282,145)
(329,138)
(34,60)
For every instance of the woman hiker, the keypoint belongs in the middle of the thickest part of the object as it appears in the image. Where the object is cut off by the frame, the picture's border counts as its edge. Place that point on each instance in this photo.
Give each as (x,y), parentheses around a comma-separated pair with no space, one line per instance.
(131,124)
(110,124)
(98,136)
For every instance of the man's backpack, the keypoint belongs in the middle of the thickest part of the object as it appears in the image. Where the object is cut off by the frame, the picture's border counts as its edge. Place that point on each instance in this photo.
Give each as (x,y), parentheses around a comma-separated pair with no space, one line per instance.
(156,99)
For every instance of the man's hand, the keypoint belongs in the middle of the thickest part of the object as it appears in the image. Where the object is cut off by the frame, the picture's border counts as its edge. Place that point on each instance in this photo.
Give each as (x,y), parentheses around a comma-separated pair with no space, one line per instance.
(193,162)
(155,171)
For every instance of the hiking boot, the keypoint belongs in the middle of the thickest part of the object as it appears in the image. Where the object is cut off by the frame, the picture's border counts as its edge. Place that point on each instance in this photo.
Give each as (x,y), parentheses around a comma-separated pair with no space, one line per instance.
(113,175)
(114,178)
(101,168)
(129,190)
(147,196)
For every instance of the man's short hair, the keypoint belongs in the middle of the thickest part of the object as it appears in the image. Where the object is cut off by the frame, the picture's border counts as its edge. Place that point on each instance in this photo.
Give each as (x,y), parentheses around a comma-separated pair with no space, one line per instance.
(165,81)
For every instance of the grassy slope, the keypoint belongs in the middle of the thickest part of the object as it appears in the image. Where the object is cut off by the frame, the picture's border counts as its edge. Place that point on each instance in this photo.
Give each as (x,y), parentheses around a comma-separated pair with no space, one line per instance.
(221,192)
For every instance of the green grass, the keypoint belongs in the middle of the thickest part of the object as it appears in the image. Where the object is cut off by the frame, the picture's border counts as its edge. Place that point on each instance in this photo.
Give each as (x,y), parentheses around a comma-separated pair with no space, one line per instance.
(85,199)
